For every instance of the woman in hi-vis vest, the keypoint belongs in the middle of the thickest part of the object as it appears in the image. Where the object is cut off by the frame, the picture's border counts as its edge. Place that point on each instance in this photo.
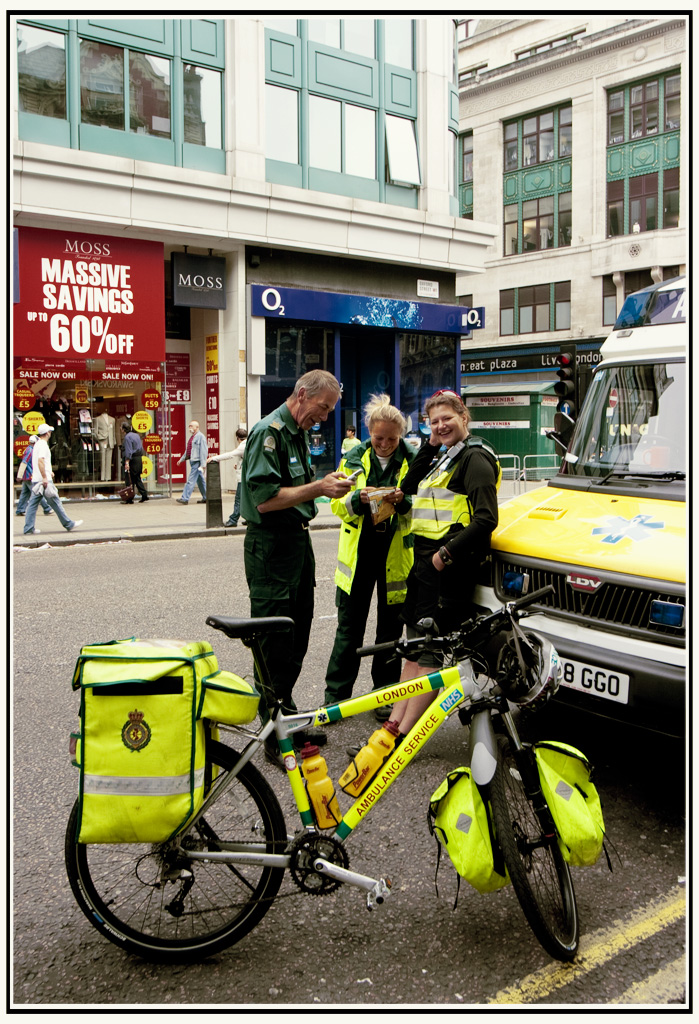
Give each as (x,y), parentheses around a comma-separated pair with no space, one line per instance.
(454,479)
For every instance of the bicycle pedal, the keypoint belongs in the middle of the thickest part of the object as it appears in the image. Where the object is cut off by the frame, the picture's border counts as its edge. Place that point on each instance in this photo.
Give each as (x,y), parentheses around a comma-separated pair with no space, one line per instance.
(379,893)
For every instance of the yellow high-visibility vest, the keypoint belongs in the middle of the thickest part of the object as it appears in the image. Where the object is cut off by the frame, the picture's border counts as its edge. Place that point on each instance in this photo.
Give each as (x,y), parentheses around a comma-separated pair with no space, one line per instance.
(436,508)
(399,560)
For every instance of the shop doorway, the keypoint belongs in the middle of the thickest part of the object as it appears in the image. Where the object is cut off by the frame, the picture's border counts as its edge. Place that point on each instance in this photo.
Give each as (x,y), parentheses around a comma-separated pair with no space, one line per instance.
(367,367)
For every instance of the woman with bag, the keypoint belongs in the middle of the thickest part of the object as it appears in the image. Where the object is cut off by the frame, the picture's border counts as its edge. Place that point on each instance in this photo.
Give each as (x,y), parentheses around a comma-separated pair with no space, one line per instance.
(371,554)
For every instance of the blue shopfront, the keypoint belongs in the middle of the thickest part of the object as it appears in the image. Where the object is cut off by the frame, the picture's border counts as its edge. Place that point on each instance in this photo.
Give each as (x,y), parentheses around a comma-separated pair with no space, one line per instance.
(372,344)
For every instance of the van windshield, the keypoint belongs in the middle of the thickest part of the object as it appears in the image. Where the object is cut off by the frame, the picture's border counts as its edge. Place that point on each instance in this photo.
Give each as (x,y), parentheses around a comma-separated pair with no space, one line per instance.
(633,423)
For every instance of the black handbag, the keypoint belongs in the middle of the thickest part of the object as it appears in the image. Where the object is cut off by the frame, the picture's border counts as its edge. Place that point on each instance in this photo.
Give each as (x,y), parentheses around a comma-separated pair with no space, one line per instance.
(127,494)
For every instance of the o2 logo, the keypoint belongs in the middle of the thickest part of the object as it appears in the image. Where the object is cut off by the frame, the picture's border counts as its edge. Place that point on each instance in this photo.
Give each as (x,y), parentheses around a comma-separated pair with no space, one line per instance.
(272,300)
(473,318)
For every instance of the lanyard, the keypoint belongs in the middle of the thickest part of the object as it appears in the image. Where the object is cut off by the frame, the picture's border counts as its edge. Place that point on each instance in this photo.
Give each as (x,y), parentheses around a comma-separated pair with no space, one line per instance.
(449,456)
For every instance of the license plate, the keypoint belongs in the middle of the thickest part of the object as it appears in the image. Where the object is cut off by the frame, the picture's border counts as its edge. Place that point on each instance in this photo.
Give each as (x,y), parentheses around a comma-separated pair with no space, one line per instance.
(600,682)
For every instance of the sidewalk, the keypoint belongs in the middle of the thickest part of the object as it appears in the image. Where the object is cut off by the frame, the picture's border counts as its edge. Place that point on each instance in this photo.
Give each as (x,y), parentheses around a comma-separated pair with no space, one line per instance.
(164,519)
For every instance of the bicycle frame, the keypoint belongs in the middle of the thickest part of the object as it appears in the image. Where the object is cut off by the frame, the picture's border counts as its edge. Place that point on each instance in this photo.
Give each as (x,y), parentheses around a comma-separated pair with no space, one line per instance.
(458,684)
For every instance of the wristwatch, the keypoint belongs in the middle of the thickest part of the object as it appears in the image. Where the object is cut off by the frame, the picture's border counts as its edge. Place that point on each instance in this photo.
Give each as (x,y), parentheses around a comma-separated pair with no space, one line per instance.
(445,556)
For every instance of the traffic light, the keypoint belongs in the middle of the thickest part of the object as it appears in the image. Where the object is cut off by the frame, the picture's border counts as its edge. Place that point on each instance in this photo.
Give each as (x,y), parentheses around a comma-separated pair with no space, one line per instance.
(566,390)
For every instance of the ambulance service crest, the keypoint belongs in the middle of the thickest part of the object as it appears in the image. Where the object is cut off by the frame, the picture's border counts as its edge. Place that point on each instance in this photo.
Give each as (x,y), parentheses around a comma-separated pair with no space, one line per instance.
(136,732)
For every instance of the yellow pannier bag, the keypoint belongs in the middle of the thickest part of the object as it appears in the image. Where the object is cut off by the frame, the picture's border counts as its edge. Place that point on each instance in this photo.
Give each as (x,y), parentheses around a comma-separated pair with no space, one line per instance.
(228,699)
(141,749)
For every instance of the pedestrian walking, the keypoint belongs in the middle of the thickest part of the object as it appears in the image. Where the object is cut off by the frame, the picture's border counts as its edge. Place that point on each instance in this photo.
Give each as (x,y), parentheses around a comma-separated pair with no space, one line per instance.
(24,473)
(43,485)
(278,503)
(196,453)
(236,454)
(351,440)
(133,461)
(372,556)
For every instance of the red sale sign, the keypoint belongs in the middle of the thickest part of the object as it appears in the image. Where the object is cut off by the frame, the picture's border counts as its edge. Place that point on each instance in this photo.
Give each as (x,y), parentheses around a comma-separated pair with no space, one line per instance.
(89,296)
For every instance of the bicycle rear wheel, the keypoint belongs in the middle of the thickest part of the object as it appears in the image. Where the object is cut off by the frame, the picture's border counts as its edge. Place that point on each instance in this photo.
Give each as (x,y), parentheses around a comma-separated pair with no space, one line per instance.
(540,876)
(201,907)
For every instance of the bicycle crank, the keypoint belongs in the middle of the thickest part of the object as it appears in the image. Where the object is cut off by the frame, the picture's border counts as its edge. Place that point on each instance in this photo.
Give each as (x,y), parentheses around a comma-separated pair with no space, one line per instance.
(377,890)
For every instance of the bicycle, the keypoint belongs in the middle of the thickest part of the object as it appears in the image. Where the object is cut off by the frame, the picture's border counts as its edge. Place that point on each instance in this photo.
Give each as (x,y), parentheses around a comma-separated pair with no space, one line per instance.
(204,890)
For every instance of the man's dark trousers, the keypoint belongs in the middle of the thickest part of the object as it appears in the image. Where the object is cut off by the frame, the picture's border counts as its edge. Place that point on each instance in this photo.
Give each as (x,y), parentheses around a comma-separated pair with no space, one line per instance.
(280,570)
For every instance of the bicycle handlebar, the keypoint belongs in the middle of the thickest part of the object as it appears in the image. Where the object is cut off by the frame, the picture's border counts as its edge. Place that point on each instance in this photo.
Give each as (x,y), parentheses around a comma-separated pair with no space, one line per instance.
(478,626)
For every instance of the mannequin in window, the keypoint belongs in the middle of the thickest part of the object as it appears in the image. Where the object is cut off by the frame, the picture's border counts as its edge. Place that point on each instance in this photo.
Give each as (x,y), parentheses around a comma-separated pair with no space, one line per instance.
(105,435)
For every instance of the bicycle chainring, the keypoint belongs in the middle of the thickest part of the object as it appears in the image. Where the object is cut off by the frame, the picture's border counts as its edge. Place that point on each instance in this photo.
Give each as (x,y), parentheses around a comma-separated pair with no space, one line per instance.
(305,850)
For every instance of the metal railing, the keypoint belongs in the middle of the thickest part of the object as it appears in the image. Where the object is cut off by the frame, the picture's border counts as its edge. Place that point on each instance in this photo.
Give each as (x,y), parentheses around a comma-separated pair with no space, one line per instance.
(511,473)
(540,467)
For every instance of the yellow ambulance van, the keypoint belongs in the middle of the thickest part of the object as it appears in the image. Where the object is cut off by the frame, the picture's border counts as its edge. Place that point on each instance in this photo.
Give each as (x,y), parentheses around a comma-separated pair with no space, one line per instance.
(609,531)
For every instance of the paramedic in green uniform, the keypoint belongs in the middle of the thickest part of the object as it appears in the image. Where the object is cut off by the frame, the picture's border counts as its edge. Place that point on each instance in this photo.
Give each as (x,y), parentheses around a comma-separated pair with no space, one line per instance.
(278,503)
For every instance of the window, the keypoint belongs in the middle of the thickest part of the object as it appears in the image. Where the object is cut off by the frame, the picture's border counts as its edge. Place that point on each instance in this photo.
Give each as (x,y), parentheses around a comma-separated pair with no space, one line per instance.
(635,280)
(565,131)
(467,158)
(466,176)
(511,158)
(565,213)
(615,117)
(156,106)
(537,224)
(609,307)
(471,74)
(671,198)
(511,225)
(41,67)
(529,310)
(399,43)
(542,47)
(615,208)
(507,311)
(644,110)
(282,124)
(672,103)
(537,143)
(401,151)
(643,202)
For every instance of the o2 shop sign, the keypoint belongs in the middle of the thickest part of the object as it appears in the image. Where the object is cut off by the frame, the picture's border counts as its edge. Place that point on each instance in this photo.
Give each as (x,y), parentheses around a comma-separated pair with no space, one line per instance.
(88,295)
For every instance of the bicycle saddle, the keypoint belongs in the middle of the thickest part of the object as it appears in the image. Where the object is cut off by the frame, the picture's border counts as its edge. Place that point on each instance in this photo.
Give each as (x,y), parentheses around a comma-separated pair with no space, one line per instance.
(238,629)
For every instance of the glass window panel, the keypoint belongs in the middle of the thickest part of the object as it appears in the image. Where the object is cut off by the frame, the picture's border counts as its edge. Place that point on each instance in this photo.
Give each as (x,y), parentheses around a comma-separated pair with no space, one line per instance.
(565,115)
(651,117)
(542,318)
(635,212)
(529,208)
(360,141)
(529,125)
(546,146)
(511,156)
(467,158)
(325,30)
(101,84)
(651,213)
(672,85)
(288,25)
(609,309)
(672,113)
(616,128)
(546,120)
(651,91)
(565,141)
(511,238)
(671,208)
(507,321)
(359,36)
(561,290)
(325,136)
(529,151)
(507,297)
(616,101)
(637,94)
(526,321)
(637,123)
(562,316)
(41,67)
(511,131)
(565,201)
(541,293)
(526,296)
(149,95)
(401,149)
(398,45)
(511,213)
(546,232)
(282,124)
(564,219)
(546,205)
(616,219)
(202,106)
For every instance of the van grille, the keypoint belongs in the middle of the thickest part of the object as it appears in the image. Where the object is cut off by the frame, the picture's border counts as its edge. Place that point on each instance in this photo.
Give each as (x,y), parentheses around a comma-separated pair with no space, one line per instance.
(611,605)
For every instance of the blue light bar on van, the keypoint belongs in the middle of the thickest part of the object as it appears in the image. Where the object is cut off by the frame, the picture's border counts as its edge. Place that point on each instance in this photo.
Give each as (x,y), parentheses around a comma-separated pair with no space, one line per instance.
(667,613)
(515,584)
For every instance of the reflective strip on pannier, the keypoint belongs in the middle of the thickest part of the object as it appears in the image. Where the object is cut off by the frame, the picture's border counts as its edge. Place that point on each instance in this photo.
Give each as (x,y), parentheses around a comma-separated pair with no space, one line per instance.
(573,800)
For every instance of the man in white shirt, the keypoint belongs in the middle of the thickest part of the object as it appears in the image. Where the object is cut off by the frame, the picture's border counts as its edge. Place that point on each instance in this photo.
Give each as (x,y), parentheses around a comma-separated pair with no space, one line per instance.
(43,485)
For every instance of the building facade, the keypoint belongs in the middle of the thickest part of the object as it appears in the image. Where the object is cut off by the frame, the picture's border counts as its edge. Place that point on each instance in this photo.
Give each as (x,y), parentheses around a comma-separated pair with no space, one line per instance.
(204,209)
(574,142)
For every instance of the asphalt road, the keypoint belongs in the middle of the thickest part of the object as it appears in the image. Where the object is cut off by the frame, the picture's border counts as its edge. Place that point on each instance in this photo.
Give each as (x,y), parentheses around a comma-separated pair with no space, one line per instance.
(416,950)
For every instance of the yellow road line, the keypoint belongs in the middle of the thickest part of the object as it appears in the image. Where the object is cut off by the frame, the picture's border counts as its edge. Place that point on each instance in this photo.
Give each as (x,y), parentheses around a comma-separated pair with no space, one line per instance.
(598,948)
(663,986)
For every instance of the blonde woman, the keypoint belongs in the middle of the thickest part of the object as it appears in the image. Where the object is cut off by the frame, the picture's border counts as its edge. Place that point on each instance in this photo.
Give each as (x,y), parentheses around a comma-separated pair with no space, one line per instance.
(371,557)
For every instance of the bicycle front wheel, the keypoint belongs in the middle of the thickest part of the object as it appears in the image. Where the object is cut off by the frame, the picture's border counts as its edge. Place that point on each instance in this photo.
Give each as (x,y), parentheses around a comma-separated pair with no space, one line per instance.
(540,876)
(177,910)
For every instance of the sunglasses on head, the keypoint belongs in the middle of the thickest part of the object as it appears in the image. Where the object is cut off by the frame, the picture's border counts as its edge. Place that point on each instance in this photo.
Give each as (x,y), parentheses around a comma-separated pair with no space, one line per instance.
(445,391)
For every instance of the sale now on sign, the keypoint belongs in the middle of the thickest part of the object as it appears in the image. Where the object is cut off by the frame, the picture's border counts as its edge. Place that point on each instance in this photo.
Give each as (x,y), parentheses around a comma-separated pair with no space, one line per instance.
(89,295)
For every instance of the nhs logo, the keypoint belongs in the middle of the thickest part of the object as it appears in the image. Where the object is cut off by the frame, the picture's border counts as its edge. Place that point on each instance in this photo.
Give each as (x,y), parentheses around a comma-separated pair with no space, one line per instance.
(451,700)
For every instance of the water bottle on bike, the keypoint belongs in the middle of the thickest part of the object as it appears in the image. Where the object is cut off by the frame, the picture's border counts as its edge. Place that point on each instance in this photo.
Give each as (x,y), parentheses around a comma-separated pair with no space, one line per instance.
(366,764)
(321,792)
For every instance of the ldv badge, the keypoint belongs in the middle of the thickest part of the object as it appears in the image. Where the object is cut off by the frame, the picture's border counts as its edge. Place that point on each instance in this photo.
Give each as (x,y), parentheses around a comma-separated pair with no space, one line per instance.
(136,732)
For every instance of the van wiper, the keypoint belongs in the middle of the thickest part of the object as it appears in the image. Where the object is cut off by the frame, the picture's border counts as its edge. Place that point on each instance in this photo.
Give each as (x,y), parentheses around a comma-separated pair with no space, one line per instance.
(660,474)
